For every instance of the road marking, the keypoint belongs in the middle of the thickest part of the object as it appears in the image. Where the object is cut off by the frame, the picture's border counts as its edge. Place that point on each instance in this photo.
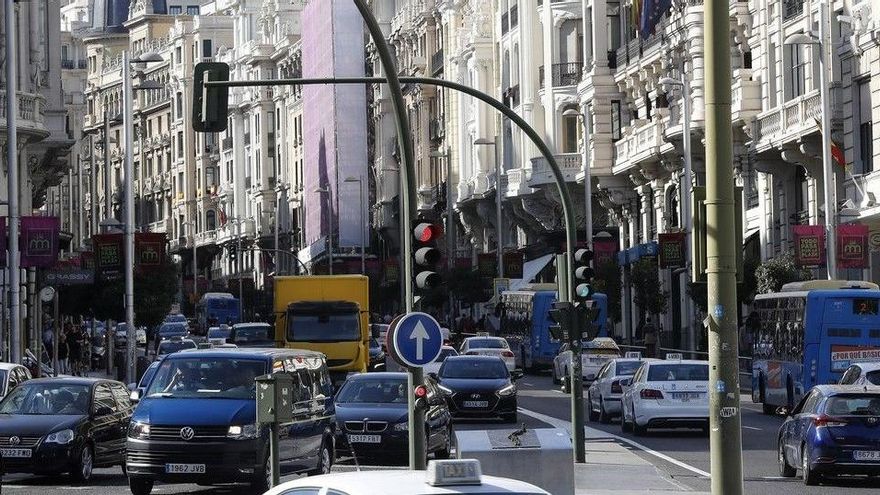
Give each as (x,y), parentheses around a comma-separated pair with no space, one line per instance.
(752,428)
(558,423)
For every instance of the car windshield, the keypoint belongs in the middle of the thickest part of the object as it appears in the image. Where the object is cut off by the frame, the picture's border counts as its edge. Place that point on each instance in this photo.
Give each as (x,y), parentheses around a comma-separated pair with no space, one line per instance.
(487,344)
(853,405)
(678,372)
(215,378)
(47,399)
(218,333)
(172,329)
(474,368)
(627,368)
(373,391)
(324,327)
(148,375)
(873,377)
(253,334)
(170,346)
(176,318)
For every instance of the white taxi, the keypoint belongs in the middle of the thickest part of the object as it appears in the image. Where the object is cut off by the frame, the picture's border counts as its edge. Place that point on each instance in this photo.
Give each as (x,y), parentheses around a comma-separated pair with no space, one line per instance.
(484,345)
(454,476)
(606,392)
(670,393)
(594,354)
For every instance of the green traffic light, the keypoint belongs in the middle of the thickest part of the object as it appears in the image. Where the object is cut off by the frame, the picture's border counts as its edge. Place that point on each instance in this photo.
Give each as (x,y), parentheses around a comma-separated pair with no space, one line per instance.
(584,291)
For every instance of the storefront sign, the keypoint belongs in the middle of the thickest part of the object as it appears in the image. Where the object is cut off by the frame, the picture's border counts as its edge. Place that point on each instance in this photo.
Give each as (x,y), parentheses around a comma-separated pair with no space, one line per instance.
(39,241)
(809,245)
(149,249)
(672,250)
(108,256)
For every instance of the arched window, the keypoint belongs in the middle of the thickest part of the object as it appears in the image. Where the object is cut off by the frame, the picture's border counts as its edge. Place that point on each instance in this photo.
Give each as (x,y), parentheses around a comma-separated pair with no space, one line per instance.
(570,130)
(211,220)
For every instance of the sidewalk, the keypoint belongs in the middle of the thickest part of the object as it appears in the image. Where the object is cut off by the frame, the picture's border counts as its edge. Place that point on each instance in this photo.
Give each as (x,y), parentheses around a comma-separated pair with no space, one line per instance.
(612,469)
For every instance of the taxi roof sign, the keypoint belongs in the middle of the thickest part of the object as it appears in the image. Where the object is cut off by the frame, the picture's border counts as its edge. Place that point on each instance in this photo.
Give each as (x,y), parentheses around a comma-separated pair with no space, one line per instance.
(673,356)
(634,355)
(454,472)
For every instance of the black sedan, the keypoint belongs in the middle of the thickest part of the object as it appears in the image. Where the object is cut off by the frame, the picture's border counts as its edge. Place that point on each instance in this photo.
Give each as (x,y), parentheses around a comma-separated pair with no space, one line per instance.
(371,414)
(479,387)
(71,424)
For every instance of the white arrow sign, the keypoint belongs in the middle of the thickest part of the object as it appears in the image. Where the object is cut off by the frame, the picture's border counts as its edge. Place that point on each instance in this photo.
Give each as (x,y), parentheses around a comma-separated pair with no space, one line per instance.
(421,335)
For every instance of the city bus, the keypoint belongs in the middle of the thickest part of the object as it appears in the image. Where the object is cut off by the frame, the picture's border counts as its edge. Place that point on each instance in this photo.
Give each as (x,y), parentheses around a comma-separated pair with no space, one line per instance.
(525,324)
(809,336)
(217,308)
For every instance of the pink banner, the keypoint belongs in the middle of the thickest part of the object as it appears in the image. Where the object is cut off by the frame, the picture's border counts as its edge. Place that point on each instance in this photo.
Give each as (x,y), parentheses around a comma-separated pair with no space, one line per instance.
(39,241)
(809,245)
(603,252)
(852,246)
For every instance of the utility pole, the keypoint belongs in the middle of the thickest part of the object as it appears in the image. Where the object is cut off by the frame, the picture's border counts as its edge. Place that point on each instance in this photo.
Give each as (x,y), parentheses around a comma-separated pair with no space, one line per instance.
(128,189)
(12,178)
(725,437)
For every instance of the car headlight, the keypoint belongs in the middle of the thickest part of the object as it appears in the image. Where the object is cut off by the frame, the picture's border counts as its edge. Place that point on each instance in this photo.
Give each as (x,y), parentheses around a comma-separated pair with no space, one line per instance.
(243,432)
(402,426)
(508,390)
(137,429)
(62,437)
(445,390)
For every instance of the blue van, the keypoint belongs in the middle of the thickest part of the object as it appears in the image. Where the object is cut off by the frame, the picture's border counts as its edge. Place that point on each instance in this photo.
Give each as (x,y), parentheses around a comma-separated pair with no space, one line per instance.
(196,419)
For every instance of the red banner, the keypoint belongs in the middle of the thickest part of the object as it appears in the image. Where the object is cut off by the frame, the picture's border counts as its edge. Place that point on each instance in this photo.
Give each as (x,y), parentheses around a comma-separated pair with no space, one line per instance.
(852,246)
(513,265)
(149,250)
(672,250)
(39,241)
(809,245)
(108,256)
(603,251)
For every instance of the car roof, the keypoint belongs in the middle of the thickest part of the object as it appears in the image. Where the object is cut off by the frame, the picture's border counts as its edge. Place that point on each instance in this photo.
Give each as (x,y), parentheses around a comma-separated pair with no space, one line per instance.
(72,380)
(474,358)
(678,361)
(380,374)
(227,352)
(400,482)
(448,348)
(485,337)
(251,324)
(846,389)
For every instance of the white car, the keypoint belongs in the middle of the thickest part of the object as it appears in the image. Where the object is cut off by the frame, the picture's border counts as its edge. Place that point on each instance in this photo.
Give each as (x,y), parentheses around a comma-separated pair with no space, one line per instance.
(11,376)
(594,354)
(434,366)
(447,477)
(606,392)
(489,346)
(862,374)
(671,393)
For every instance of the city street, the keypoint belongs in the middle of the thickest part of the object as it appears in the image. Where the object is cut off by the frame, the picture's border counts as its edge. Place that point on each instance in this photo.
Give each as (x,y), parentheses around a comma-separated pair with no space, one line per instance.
(682,455)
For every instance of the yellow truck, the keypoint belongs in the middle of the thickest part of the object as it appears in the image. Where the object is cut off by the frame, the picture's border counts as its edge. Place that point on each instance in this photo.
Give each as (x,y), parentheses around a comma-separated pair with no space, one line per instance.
(326,313)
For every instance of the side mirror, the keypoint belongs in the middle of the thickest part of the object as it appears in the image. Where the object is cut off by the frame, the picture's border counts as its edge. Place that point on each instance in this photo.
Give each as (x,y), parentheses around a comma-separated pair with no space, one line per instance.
(103,411)
(136,394)
(516,374)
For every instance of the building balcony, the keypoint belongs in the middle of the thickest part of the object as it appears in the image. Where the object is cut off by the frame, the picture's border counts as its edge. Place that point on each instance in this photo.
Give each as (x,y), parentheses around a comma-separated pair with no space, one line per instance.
(562,74)
(793,119)
(792,9)
(638,145)
(569,163)
(517,182)
(206,238)
(31,118)
(160,226)
(746,102)
(637,49)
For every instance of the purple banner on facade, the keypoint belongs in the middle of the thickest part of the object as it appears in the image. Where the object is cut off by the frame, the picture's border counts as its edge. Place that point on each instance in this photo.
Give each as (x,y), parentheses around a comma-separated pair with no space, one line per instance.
(39,241)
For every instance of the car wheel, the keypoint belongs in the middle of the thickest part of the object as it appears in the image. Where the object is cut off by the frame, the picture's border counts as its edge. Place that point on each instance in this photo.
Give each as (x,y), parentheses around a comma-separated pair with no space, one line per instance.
(139,486)
(593,415)
(81,471)
(604,417)
(785,470)
(263,480)
(810,477)
(446,451)
(325,459)
(638,430)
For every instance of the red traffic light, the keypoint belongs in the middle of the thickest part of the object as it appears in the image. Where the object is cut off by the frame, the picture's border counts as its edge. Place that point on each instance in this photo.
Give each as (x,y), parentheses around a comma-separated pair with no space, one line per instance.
(427,232)
(421,391)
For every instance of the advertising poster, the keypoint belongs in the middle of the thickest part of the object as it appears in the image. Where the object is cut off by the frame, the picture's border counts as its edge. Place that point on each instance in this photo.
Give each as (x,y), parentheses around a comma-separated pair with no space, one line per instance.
(844,356)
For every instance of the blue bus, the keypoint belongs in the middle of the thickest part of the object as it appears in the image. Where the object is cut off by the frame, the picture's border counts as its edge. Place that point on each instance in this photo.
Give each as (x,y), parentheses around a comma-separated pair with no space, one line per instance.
(217,308)
(809,334)
(525,323)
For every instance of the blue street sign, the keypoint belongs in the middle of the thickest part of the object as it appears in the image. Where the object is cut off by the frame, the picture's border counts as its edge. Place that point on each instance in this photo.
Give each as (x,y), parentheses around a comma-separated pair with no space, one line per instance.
(416,339)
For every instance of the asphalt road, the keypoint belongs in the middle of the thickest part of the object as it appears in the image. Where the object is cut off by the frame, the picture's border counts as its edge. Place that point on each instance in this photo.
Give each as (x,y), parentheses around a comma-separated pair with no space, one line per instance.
(688,450)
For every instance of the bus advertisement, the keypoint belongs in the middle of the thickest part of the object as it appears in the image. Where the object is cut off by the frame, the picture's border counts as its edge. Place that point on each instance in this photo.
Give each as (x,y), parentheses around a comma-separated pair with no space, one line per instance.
(810,337)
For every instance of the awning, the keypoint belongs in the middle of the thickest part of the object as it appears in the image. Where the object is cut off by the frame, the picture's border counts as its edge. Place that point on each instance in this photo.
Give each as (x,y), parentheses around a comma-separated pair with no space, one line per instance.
(635,253)
(531,269)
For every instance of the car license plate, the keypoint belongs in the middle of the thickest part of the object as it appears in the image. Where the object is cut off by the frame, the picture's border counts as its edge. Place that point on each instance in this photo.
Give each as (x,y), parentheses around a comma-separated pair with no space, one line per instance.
(866,455)
(364,439)
(185,468)
(18,453)
(476,403)
(686,396)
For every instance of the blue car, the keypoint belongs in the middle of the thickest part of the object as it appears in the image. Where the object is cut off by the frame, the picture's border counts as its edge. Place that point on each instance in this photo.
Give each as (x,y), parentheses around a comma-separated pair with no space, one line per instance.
(834,430)
(196,420)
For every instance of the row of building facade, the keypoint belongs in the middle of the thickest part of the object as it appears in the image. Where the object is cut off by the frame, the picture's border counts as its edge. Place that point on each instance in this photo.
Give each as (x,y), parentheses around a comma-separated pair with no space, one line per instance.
(243,191)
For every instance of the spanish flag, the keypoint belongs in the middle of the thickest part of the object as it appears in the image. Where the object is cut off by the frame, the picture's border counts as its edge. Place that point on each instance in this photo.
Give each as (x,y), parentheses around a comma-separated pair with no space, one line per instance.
(636,14)
(836,151)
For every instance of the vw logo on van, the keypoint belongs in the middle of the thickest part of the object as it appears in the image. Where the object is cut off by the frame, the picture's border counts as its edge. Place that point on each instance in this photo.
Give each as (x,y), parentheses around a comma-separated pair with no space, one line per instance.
(187,433)
(13,440)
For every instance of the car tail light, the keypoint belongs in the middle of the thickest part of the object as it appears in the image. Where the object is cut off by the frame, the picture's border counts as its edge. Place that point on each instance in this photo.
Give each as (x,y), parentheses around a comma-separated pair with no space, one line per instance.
(616,388)
(650,393)
(507,354)
(823,420)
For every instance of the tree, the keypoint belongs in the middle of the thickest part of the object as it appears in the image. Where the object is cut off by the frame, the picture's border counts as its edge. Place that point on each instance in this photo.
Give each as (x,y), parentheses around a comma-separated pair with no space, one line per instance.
(772,274)
(607,281)
(153,295)
(647,288)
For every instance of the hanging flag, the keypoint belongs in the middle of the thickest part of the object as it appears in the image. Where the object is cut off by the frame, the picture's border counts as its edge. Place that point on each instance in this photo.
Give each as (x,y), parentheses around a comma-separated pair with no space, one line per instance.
(39,241)
(222,217)
(809,245)
(149,250)
(651,13)
(108,256)
(852,246)
(635,14)
(836,150)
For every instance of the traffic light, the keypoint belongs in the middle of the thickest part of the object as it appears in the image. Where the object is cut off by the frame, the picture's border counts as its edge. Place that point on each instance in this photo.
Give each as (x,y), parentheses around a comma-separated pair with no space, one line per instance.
(426,254)
(585,315)
(421,394)
(583,274)
(561,314)
(233,253)
(210,105)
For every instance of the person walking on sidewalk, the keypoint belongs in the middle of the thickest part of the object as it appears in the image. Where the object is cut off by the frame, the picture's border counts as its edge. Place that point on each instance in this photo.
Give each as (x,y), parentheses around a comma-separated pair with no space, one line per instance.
(650,334)
(62,354)
(75,345)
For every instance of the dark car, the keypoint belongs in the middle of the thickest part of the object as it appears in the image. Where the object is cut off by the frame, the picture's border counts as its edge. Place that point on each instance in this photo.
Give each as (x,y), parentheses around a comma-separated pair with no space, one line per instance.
(479,387)
(377,355)
(372,420)
(252,335)
(196,421)
(834,430)
(64,425)
(174,344)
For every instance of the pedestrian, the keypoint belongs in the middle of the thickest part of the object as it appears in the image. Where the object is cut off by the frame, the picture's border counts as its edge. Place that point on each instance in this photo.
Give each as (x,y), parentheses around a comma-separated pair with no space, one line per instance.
(650,335)
(74,350)
(47,337)
(62,354)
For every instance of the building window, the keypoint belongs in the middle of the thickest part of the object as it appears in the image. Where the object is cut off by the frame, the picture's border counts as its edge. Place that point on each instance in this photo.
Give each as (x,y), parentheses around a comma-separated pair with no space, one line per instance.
(210,177)
(207,51)
(179,105)
(175,10)
(795,73)
(570,133)
(179,145)
(210,220)
(615,120)
(866,135)
(192,10)
(178,53)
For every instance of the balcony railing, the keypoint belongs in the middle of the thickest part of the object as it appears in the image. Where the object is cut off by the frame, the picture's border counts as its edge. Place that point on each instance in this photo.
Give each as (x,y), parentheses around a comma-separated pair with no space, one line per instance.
(30,109)
(636,49)
(569,164)
(563,74)
(792,8)
(437,62)
(794,118)
(511,96)
(74,64)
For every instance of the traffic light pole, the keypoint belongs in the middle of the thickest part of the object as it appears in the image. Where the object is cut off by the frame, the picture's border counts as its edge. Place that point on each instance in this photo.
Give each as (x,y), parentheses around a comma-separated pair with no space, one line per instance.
(725,437)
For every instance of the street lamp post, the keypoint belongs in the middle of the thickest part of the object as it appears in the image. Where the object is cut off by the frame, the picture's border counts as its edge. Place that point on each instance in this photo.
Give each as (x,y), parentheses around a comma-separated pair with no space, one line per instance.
(588,179)
(499,231)
(322,191)
(12,182)
(823,42)
(364,232)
